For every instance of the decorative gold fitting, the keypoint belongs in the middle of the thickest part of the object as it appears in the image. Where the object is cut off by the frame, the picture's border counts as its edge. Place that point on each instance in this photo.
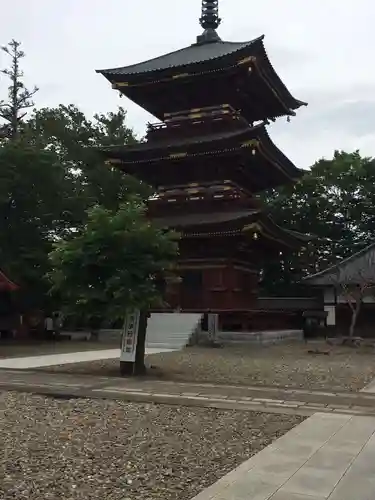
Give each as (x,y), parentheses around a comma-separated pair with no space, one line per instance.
(113,161)
(180,75)
(251,143)
(116,85)
(246,60)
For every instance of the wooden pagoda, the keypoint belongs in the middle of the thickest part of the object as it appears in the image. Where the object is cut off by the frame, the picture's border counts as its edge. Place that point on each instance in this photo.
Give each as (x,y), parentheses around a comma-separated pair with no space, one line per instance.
(208,157)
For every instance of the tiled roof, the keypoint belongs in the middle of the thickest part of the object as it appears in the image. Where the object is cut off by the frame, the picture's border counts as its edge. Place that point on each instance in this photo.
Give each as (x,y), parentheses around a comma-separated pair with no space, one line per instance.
(193,54)
(202,219)
(6,283)
(184,221)
(160,148)
(171,142)
(356,269)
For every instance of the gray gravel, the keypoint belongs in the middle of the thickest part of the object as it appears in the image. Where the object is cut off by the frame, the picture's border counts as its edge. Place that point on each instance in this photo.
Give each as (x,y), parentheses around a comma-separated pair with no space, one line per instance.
(98,449)
(284,365)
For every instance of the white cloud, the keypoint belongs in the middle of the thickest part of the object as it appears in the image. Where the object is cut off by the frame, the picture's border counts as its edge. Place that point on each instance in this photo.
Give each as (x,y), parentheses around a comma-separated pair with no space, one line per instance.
(321,50)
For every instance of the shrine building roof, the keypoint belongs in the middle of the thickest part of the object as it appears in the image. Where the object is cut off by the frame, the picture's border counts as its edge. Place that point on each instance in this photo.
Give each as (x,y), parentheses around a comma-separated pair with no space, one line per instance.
(357,269)
(6,284)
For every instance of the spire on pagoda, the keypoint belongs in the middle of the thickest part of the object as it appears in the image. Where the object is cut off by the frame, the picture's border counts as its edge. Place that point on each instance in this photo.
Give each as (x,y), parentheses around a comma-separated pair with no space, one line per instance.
(209,21)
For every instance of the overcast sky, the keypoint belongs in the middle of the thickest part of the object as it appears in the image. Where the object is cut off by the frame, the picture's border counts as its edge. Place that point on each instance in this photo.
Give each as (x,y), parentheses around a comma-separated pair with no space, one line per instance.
(322,50)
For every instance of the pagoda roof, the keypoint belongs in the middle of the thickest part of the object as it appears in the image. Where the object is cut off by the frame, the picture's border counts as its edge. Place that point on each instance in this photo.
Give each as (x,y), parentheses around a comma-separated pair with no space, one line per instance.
(201,219)
(131,159)
(357,269)
(139,81)
(6,284)
(232,223)
(196,53)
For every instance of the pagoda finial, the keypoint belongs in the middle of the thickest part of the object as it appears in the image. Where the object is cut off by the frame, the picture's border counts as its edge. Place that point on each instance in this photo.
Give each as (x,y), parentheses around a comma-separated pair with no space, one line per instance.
(209,21)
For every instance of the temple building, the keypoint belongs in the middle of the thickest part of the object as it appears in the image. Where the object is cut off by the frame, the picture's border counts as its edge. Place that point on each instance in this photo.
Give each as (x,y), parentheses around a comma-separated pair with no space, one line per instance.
(345,288)
(208,158)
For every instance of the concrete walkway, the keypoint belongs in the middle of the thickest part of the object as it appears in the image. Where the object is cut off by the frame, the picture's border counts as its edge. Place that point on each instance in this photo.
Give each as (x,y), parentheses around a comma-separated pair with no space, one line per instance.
(66,358)
(326,457)
(331,455)
(256,398)
(370,388)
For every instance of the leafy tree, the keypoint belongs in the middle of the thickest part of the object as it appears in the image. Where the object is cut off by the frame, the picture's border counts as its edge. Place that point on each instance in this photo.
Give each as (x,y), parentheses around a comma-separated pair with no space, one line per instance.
(36,206)
(334,202)
(19,97)
(73,137)
(111,267)
(50,175)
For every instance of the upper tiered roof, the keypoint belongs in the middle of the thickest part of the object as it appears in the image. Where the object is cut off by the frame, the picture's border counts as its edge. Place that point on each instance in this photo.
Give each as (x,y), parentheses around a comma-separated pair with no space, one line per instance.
(215,71)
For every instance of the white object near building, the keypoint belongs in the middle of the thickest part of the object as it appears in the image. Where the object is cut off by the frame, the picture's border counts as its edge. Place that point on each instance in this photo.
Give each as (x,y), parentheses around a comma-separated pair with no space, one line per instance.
(171,330)
(130,337)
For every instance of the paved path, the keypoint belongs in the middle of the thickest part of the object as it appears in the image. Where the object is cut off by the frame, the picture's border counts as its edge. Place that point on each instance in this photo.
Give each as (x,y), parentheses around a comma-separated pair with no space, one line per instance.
(370,388)
(326,457)
(331,455)
(25,363)
(258,398)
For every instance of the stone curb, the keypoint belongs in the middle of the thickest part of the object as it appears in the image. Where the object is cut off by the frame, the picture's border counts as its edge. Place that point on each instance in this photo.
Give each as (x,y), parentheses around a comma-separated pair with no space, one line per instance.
(258,405)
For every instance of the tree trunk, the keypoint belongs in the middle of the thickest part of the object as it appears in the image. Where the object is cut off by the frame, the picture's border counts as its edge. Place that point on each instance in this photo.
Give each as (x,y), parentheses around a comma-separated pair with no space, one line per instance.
(353,322)
(139,365)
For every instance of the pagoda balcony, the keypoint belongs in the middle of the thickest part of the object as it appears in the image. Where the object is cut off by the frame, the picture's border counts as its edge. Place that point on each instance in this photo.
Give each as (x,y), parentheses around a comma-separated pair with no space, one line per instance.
(201,199)
(196,122)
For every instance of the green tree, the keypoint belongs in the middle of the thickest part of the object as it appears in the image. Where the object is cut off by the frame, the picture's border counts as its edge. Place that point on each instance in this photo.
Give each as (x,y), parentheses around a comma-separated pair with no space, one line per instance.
(50,175)
(112,266)
(75,139)
(13,111)
(36,207)
(335,203)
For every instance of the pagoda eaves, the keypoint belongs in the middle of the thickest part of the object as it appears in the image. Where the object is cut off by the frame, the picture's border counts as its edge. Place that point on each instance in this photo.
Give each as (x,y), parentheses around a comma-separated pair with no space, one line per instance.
(242,223)
(254,156)
(238,73)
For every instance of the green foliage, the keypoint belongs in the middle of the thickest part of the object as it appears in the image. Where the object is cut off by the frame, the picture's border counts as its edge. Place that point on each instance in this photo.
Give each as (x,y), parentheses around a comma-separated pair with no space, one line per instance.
(334,202)
(111,265)
(73,137)
(35,205)
(49,177)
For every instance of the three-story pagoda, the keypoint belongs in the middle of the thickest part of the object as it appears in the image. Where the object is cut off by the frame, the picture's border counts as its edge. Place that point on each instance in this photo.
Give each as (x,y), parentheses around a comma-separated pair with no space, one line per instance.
(207,158)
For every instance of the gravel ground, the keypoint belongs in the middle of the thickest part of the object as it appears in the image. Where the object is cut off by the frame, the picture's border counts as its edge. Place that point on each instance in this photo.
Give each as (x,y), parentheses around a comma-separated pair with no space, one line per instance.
(284,365)
(93,449)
